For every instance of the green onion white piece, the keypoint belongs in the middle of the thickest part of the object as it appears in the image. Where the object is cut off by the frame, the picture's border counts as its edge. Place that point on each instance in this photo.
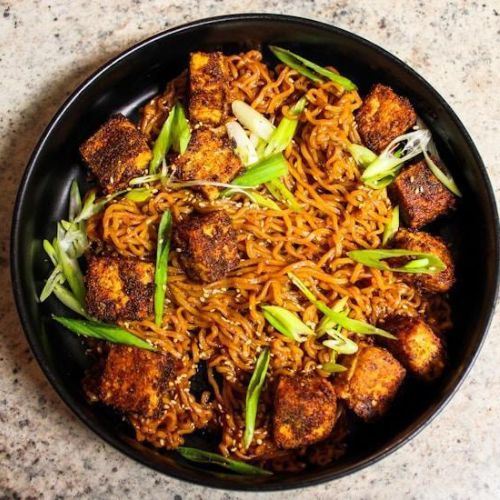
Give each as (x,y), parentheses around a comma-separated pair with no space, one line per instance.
(331,367)
(68,299)
(287,323)
(252,120)
(309,69)
(207,457)
(253,394)
(278,189)
(244,146)
(163,142)
(425,263)
(392,226)
(161,269)
(95,329)
(353,325)
(71,271)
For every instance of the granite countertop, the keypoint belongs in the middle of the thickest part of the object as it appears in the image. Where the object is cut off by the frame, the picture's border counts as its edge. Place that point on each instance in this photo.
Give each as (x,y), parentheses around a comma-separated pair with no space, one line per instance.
(46,49)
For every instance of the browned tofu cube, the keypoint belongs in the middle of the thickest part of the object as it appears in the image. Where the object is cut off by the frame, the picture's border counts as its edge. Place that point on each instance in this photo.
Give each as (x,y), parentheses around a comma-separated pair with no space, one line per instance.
(305,408)
(116,153)
(420,241)
(134,380)
(208,157)
(417,347)
(420,196)
(119,288)
(383,116)
(207,246)
(371,381)
(208,81)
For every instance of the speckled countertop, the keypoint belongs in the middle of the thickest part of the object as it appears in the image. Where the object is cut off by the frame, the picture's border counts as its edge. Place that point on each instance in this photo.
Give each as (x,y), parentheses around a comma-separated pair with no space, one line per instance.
(46,49)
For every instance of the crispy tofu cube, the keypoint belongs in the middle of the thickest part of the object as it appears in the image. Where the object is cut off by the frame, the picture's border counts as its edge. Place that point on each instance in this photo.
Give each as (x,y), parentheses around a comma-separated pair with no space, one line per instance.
(207,246)
(208,81)
(420,241)
(119,288)
(134,380)
(116,153)
(420,196)
(371,381)
(417,347)
(383,116)
(305,408)
(208,157)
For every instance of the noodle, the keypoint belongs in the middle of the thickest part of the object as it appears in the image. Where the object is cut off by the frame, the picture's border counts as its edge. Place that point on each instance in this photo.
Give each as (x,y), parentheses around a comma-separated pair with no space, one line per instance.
(221,323)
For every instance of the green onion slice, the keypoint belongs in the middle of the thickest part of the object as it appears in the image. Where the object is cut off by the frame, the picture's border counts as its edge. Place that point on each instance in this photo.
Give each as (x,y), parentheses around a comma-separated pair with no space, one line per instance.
(263,171)
(245,149)
(340,343)
(69,300)
(95,329)
(91,207)
(278,189)
(55,278)
(333,367)
(309,69)
(71,271)
(253,394)
(181,133)
(362,156)
(252,120)
(163,142)
(139,195)
(327,323)
(207,457)
(287,323)
(282,136)
(426,263)
(392,226)
(353,325)
(75,200)
(161,269)
(447,181)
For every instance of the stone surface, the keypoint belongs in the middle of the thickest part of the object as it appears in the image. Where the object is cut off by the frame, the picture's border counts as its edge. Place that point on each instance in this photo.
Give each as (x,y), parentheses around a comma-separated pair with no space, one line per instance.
(46,49)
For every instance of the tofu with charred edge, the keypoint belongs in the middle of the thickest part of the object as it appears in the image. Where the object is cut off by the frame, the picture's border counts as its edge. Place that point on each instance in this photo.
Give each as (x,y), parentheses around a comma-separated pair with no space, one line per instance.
(383,116)
(116,153)
(305,408)
(207,246)
(119,288)
(208,81)
(420,241)
(371,381)
(420,196)
(209,157)
(417,347)
(134,380)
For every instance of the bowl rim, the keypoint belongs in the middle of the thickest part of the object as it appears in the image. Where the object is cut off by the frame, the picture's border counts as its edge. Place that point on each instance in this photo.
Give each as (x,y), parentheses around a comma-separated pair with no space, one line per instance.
(17,282)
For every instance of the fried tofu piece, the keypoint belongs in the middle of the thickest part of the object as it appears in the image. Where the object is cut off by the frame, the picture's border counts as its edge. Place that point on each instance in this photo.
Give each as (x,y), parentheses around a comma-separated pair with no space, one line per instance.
(383,116)
(417,347)
(207,246)
(208,82)
(420,196)
(116,153)
(305,408)
(420,241)
(371,381)
(133,380)
(209,157)
(119,288)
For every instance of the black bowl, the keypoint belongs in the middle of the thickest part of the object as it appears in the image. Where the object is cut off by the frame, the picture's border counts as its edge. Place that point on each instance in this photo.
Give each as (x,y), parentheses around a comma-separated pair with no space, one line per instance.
(126,83)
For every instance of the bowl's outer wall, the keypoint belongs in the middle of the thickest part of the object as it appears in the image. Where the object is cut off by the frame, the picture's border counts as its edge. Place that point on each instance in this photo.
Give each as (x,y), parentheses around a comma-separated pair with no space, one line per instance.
(127,83)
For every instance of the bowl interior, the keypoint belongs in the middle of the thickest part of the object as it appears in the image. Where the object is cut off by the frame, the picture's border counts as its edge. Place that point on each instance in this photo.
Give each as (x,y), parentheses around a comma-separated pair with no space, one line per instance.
(124,86)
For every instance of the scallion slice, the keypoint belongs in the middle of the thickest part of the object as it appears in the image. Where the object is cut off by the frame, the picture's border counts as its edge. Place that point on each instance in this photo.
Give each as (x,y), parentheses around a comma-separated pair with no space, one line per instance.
(426,263)
(95,329)
(392,226)
(333,367)
(282,136)
(353,325)
(447,181)
(382,171)
(244,146)
(252,120)
(362,156)
(327,323)
(255,197)
(163,142)
(287,323)
(207,457)
(263,171)
(139,195)
(253,394)
(69,300)
(309,69)
(161,269)
(71,271)
(278,189)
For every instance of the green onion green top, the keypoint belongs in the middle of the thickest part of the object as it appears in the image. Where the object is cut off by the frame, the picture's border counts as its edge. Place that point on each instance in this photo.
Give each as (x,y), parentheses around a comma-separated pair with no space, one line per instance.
(392,226)
(287,323)
(161,269)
